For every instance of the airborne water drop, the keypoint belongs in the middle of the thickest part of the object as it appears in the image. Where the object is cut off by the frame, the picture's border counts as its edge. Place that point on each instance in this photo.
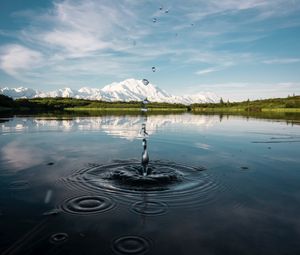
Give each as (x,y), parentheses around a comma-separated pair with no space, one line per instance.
(145,82)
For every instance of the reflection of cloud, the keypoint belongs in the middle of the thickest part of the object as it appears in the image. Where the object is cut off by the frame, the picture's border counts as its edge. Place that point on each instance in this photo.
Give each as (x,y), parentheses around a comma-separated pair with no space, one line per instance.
(20,157)
(203,146)
(120,126)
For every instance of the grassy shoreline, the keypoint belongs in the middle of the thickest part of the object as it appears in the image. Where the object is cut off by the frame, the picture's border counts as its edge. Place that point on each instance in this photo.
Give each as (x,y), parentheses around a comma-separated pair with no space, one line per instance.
(243,110)
(124,109)
(275,105)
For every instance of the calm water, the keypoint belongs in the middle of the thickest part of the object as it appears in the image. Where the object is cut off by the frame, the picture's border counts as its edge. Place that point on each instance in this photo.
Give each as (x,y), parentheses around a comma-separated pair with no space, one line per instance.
(221,185)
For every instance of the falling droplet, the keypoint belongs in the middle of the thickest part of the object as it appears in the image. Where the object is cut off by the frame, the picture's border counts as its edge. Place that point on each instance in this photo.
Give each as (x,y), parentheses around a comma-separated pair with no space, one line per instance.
(161,7)
(145,101)
(48,196)
(154,20)
(166,11)
(153,69)
(145,82)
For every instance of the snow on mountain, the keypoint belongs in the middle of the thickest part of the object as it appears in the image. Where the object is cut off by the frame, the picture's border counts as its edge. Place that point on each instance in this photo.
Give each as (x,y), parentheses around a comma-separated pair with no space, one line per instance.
(128,90)
(19,92)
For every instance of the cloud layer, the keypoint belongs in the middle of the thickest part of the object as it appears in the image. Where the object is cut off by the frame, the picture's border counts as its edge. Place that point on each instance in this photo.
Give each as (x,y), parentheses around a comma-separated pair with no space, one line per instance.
(92,42)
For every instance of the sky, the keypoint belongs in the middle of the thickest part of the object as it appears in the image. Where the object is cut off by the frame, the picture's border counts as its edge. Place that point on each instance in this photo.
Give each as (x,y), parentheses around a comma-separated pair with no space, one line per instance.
(236,49)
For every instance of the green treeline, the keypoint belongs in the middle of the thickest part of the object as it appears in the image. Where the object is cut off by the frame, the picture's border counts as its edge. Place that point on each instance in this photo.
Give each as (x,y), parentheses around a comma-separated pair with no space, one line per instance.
(289,104)
(69,104)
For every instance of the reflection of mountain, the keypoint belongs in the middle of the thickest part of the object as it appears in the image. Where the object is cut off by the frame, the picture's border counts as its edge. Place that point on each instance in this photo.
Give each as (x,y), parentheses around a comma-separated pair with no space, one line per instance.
(120,126)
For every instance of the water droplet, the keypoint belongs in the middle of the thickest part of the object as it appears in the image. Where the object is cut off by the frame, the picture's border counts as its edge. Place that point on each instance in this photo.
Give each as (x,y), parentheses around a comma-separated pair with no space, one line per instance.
(244,167)
(145,82)
(48,196)
(154,20)
(58,238)
(192,24)
(167,11)
(161,8)
(145,101)
(153,69)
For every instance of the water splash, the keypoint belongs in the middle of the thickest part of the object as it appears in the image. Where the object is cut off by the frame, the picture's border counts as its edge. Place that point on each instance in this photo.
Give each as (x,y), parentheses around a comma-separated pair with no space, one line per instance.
(144,103)
(145,158)
(145,155)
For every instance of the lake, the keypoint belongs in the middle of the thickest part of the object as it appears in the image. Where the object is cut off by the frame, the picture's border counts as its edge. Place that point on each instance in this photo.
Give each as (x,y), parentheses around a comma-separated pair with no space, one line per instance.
(216,184)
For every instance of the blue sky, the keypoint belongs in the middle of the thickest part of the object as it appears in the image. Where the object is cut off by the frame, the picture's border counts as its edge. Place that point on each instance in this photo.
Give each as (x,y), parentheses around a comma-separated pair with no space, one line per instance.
(237,49)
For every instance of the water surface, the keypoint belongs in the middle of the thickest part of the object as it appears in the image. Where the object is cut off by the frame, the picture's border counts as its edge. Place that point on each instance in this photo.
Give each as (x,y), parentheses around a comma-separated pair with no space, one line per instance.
(68,185)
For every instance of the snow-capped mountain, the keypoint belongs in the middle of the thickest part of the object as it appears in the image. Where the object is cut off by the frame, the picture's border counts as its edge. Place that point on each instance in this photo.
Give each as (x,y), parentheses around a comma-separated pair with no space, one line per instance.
(128,90)
(19,92)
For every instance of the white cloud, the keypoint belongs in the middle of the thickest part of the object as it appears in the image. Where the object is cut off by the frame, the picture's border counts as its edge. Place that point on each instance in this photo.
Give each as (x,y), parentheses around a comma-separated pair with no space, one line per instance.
(240,91)
(17,57)
(264,8)
(208,70)
(83,27)
(215,69)
(93,42)
(282,61)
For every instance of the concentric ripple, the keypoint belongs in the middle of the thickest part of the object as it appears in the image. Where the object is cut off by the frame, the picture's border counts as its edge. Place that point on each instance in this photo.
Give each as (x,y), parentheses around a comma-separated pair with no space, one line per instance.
(174,184)
(59,238)
(131,245)
(149,208)
(86,205)
(19,185)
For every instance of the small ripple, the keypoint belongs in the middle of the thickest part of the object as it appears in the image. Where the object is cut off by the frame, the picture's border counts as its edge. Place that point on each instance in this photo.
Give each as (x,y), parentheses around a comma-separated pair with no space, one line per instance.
(86,205)
(19,185)
(149,208)
(131,245)
(59,238)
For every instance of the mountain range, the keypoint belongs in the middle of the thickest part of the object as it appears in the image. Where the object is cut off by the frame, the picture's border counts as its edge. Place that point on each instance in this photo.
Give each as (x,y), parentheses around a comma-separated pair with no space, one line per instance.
(127,90)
